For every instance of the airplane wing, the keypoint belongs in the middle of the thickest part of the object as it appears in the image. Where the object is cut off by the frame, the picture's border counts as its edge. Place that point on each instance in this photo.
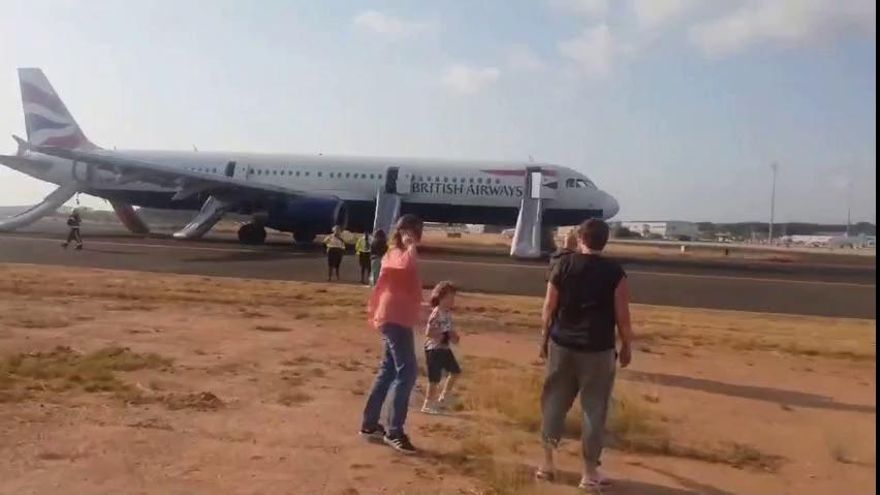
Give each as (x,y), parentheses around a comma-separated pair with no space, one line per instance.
(186,182)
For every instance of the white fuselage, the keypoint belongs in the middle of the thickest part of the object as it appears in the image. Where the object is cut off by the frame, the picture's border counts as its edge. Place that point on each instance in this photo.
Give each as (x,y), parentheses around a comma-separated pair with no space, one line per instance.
(356,179)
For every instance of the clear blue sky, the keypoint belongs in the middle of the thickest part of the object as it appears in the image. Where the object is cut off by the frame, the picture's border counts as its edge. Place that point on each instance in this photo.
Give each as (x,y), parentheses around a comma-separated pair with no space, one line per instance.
(677,107)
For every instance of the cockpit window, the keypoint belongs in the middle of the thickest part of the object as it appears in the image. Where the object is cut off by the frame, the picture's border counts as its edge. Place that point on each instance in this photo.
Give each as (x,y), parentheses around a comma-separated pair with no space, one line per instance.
(580,184)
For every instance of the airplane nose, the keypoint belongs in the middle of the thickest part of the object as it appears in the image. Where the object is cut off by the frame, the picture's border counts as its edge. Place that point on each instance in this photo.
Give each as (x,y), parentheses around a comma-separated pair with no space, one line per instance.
(611,206)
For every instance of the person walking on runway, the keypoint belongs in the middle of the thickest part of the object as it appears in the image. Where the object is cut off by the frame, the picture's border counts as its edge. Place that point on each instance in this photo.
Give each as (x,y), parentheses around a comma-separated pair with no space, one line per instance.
(73,222)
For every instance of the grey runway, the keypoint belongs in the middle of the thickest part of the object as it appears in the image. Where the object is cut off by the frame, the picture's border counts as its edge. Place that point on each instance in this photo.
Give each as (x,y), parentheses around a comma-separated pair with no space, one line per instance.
(844,292)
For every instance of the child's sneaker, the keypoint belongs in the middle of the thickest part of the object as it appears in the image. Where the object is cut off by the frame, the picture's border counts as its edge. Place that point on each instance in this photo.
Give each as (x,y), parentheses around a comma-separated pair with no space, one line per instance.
(401,444)
(373,434)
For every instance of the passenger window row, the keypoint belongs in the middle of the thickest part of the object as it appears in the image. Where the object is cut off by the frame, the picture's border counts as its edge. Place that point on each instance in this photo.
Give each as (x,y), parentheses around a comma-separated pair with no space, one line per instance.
(365,176)
(332,175)
(455,180)
(298,173)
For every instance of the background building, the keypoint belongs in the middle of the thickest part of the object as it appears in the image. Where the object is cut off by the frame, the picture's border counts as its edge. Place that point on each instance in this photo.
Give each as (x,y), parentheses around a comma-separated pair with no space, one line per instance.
(667,229)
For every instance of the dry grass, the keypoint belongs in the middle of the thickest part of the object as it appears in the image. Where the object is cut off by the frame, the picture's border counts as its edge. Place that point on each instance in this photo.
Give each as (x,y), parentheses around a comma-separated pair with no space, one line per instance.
(632,425)
(836,338)
(35,318)
(476,456)
(500,397)
(499,479)
(294,398)
(63,369)
(271,328)
(200,401)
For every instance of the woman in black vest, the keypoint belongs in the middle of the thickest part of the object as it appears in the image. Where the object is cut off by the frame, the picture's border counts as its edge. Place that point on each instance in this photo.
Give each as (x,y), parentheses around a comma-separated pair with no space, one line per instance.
(587,300)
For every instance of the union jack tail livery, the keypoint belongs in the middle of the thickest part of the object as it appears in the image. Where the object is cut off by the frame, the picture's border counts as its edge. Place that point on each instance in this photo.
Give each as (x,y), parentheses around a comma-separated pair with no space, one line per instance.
(47,119)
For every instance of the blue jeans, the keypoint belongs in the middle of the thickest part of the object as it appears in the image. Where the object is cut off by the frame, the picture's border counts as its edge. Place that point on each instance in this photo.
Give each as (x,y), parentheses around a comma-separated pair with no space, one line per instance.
(375,268)
(399,369)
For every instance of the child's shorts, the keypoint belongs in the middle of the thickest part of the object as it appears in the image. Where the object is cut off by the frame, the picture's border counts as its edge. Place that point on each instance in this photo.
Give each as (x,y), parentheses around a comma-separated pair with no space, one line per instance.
(440,360)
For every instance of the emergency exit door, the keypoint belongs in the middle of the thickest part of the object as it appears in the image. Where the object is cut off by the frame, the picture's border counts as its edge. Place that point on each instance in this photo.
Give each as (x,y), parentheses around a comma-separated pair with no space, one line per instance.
(540,184)
(397,182)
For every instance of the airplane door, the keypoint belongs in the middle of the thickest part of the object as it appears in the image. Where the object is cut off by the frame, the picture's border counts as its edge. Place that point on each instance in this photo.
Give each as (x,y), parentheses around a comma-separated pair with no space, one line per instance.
(240,172)
(539,184)
(404,183)
(397,182)
(391,180)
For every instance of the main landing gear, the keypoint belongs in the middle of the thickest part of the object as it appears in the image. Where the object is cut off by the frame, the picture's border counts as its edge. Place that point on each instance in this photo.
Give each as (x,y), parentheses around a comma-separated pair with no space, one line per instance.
(253,234)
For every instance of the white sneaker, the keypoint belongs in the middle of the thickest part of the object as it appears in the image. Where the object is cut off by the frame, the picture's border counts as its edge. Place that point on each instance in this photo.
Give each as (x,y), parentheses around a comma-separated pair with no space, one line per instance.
(430,409)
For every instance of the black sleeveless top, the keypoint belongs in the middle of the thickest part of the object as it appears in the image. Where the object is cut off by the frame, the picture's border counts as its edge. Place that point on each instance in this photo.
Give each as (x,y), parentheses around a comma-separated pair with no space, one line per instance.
(585,318)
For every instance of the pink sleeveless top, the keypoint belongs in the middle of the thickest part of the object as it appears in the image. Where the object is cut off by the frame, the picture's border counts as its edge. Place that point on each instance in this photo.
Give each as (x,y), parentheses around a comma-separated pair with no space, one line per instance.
(397,297)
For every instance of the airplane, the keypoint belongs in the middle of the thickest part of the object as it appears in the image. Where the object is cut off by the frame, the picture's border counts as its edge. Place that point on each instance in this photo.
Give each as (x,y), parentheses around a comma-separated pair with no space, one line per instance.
(302,194)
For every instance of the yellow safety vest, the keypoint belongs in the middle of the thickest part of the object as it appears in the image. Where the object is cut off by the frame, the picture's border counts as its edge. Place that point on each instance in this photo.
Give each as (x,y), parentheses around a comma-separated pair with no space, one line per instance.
(362,246)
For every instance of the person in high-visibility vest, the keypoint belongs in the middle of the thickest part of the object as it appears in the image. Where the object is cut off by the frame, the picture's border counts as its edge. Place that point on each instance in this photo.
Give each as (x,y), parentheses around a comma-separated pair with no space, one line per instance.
(362,248)
(335,250)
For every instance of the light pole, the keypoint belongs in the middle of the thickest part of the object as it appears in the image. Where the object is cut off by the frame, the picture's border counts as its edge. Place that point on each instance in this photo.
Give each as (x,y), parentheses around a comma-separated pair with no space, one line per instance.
(774,167)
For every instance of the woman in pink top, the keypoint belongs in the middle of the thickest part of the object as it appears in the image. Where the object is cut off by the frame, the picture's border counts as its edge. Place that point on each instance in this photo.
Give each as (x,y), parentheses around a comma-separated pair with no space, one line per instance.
(394,309)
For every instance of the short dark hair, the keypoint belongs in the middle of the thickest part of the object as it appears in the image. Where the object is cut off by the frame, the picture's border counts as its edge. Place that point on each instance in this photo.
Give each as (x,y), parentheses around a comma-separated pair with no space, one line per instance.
(594,234)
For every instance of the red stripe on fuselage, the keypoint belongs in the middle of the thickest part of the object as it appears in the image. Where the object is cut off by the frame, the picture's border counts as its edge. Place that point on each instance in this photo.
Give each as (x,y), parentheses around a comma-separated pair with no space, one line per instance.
(73,141)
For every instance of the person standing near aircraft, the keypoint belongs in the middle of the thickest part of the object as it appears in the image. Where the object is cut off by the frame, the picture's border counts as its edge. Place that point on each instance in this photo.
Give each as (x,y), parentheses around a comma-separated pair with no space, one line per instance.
(394,309)
(378,248)
(73,222)
(362,248)
(569,246)
(335,251)
(587,298)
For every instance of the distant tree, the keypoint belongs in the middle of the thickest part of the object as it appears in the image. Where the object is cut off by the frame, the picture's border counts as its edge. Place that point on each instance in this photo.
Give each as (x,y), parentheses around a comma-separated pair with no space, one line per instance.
(621,232)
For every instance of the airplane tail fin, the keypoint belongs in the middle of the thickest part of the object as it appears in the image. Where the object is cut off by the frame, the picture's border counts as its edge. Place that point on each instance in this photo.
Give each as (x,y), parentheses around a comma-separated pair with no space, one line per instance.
(47,119)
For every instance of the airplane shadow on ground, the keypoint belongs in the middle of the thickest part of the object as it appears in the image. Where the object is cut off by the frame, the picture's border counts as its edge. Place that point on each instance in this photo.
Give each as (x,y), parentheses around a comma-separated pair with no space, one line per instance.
(779,396)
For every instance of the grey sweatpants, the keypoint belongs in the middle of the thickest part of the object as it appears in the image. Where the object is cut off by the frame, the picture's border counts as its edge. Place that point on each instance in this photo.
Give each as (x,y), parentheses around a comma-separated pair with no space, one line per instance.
(569,373)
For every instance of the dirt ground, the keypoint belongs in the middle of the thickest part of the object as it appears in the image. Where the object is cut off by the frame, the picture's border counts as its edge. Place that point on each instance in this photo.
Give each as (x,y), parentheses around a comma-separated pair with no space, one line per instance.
(116,382)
